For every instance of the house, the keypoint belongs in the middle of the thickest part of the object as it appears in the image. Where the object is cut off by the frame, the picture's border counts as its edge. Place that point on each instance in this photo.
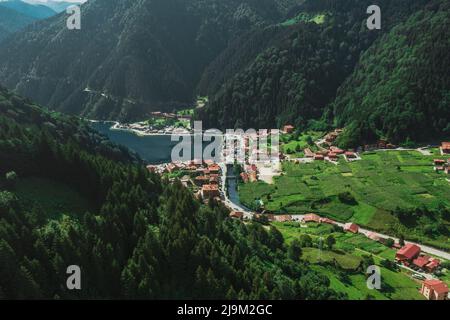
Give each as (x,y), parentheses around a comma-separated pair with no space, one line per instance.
(373,236)
(214,168)
(288,128)
(283,218)
(351,227)
(332,156)
(210,191)
(421,261)
(237,215)
(252,177)
(445,148)
(151,169)
(336,150)
(434,289)
(432,265)
(439,162)
(319,157)
(408,253)
(350,155)
(311,217)
(201,180)
(326,220)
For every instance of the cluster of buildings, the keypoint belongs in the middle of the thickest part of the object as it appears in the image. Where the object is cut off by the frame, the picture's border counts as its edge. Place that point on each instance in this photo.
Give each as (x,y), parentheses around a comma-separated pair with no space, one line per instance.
(410,256)
(381,144)
(204,176)
(331,154)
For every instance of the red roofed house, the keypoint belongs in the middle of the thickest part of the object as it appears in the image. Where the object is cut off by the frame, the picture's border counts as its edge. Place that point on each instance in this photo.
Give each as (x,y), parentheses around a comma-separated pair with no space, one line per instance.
(438,162)
(408,253)
(332,156)
(350,155)
(319,157)
(351,227)
(445,147)
(434,290)
(432,265)
(421,261)
(214,168)
(288,129)
(284,218)
(210,191)
(311,217)
(237,215)
(200,181)
(326,220)
(337,150)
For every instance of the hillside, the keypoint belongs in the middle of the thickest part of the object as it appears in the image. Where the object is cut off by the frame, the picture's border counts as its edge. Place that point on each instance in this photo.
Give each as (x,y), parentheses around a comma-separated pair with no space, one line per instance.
(12,21)
(136,56)
(139,238)
(290,72)
(36,11)
(400,89)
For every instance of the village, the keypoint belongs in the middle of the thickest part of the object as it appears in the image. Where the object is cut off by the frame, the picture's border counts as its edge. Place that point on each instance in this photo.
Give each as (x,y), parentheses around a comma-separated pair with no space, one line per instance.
(208,180)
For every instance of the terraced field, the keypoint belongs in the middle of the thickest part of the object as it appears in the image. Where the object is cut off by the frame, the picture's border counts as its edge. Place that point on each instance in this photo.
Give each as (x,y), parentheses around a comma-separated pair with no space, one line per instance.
(379,183)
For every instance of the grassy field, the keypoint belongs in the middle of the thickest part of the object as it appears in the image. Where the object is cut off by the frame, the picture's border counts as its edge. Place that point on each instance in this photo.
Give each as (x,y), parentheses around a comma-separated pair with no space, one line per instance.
(379,183)
(53,197)
(291,145)
(341,263)
(304,17)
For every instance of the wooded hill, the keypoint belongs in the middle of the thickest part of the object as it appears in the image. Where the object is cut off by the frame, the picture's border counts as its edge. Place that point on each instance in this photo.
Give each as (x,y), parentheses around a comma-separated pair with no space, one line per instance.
(143,238)
(130,57)
(308,70)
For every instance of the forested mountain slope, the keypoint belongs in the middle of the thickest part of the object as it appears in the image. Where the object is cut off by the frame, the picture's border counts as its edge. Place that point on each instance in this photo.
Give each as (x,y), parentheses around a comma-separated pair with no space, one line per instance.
(12,21)
(36,11)
(291,71)
(400,88)
(129,57)
(142,238)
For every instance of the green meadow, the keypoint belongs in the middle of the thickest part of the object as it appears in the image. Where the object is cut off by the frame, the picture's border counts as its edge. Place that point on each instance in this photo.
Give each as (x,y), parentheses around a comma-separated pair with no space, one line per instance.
(378,184)
(343,265)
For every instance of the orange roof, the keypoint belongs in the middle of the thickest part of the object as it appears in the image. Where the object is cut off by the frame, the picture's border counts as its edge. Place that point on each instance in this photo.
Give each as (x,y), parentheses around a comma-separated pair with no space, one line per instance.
(311,217)
(437,285)
(210,187)
(351,227)
(421,261)
(445,145)
(409,251)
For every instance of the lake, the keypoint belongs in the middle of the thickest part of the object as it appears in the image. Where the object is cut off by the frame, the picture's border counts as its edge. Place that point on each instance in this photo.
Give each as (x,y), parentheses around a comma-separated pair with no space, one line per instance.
(154,149)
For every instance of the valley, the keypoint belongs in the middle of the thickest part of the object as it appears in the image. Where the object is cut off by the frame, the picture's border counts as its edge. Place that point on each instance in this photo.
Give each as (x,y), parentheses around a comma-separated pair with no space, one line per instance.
(342,176)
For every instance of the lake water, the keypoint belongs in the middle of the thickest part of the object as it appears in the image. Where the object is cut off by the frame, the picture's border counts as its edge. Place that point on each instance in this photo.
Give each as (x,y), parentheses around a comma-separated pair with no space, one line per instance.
(154,149)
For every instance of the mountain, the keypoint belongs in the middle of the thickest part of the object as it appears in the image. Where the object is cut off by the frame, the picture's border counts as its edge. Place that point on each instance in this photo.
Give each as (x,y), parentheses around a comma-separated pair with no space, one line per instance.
(36,11)
(290,72)
(60,6)
(400,89)
(12,21)
(138,237)
(130,57)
